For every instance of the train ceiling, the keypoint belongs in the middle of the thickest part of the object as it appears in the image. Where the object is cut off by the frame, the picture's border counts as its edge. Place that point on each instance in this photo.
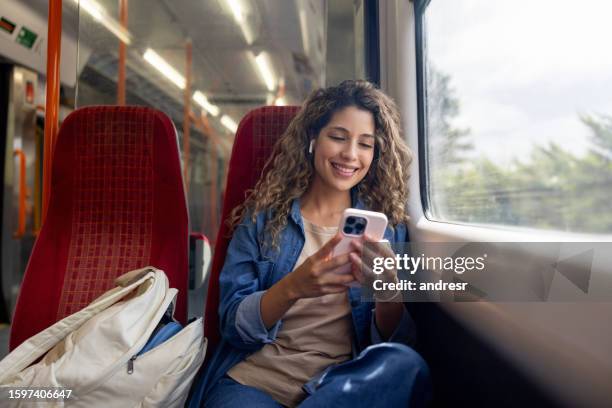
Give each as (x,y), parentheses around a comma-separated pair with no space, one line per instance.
(290,33)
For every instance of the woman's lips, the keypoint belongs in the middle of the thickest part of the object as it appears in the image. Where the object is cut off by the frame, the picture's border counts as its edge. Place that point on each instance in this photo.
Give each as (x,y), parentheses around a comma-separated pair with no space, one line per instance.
(343,171)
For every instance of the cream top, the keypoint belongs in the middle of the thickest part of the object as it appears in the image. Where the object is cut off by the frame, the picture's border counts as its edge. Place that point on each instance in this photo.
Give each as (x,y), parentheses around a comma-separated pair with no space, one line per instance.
(314,333)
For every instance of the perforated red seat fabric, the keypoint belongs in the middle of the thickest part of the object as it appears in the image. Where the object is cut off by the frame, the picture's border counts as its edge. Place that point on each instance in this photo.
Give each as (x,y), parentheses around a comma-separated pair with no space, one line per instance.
(256,135)
(117,203)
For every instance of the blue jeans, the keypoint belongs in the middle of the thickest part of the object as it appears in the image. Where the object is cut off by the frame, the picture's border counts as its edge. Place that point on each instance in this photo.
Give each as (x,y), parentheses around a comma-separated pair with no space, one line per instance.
(383,375)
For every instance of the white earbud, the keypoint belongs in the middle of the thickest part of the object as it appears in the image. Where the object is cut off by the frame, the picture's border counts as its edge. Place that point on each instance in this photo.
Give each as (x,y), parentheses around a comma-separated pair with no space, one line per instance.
(311,146)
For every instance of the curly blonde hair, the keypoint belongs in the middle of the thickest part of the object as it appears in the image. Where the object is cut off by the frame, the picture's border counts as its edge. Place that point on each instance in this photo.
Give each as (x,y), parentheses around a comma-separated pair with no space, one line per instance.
(289,171)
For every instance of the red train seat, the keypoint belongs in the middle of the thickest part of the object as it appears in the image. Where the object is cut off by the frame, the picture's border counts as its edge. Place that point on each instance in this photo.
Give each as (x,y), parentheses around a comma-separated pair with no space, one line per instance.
(117,203)
(256,135)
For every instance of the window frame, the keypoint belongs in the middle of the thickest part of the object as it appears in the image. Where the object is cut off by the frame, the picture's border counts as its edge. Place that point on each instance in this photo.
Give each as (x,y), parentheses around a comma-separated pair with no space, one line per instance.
(371,41)
(423,152)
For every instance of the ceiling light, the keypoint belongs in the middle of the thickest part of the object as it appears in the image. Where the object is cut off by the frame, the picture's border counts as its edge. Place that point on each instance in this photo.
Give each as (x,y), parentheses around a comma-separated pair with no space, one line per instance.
(236,10)
(264,69)
(305,31)
(99,14)
(162,66)
(201,99)
(241,20)
(229,123)
(91,7)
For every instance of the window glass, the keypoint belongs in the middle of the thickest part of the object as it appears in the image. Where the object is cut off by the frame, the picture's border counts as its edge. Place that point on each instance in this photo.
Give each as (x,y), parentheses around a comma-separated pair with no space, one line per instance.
(519,113)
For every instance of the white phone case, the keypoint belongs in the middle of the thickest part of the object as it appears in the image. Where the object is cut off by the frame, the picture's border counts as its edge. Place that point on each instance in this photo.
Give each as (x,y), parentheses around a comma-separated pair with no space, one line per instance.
(376,223)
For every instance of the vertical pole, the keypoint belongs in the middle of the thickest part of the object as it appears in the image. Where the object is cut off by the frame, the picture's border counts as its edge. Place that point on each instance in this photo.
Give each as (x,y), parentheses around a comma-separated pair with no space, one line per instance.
(54,42)
(187,110)
(123,19)
(214,163)
(280,94)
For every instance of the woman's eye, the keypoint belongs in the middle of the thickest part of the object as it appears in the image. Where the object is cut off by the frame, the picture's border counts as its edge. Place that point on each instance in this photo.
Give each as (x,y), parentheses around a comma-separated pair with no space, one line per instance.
(334,137)
(366,145)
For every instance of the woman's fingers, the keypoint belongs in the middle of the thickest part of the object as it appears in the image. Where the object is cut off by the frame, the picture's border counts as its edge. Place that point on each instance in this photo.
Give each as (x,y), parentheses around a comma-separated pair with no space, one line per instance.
(335,262)
(366,252)
(327,249)
(369,252)
(361,269)
(329,289)
(356,268)
(332,279)
(361,265)
(383,247)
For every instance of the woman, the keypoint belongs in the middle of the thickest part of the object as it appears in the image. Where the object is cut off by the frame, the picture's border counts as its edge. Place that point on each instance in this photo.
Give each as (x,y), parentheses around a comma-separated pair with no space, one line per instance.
(294,331)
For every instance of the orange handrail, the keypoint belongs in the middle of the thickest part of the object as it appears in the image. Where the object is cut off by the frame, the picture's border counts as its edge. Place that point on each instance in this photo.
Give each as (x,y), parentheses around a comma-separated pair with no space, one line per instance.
(202,125)
(215,145)
(123,19)
(21,226)
(215,137)
(54,42)
(280,94)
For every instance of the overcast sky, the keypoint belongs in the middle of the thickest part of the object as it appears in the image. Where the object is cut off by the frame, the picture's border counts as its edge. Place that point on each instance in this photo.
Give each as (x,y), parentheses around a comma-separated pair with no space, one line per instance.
(524,71)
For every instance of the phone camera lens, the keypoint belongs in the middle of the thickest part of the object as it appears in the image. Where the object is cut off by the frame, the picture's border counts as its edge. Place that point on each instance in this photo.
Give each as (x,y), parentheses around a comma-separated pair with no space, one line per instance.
(348,229)
(351,220)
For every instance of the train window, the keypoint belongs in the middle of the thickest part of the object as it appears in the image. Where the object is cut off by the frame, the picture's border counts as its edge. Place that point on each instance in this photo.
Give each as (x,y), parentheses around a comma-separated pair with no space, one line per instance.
(517,113)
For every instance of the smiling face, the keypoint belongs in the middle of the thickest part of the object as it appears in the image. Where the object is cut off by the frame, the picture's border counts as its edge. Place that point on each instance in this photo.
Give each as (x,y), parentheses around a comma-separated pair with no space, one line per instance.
(344,149)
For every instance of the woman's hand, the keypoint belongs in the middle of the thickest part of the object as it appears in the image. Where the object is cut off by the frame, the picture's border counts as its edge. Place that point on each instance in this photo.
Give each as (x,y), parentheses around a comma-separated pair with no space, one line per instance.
(389,308)
(316,277)
(313,278)
(363,259)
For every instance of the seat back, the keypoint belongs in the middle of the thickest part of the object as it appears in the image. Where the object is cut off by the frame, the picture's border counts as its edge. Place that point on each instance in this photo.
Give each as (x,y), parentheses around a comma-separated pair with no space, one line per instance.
(256,135)
(117,203)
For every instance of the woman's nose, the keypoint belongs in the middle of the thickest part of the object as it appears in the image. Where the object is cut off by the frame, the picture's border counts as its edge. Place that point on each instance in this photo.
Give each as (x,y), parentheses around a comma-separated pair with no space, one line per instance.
(350,151)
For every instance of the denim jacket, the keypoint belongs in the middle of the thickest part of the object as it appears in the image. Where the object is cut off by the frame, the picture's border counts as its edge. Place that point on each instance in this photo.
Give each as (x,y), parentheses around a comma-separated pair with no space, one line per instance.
(250,268)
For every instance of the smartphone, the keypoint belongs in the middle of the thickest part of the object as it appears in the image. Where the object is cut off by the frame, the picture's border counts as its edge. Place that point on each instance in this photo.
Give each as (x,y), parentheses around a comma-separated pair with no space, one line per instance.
(353,226)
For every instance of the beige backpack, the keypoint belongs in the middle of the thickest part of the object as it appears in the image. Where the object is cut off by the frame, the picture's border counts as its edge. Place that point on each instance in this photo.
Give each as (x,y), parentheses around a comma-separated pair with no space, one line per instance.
(93,353)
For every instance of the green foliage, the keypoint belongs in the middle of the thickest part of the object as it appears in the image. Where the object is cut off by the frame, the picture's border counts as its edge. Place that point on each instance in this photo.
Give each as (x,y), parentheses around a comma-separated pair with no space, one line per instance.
(449,142)
(553,188)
